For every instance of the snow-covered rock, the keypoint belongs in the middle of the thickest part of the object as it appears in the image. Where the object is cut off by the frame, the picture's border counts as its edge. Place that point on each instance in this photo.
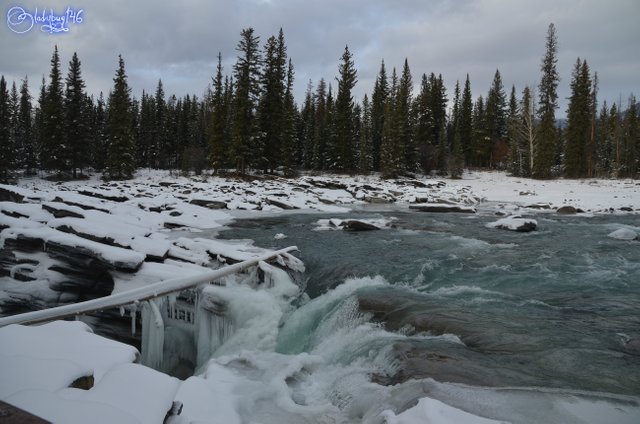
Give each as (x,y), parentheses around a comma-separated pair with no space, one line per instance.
(624,234)
(515,223)
(442,207)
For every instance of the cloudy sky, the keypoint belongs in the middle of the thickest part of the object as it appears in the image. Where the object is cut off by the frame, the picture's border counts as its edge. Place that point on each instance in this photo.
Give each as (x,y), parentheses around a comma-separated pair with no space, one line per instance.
(178,41)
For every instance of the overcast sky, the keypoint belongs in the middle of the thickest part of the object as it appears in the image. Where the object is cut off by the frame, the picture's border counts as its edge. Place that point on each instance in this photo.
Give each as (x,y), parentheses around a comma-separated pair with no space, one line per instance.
(178,41)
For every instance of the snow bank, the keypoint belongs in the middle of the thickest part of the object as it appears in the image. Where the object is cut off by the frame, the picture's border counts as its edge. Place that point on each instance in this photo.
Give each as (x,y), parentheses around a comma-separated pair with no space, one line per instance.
(432,411)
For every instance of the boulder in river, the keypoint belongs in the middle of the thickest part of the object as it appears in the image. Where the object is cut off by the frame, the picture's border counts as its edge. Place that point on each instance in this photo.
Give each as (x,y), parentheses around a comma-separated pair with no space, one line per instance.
(356,225)
(515,223)
(442,207)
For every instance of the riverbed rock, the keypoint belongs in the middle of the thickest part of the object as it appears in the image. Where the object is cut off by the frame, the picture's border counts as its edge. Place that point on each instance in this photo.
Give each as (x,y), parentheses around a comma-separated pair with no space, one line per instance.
(355,225)
(568,210)
(515,223)
(442,208)
(208,203)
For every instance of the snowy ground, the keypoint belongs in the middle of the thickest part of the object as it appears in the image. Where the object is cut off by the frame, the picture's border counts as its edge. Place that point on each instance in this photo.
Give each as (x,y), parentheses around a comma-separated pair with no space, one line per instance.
(128,229)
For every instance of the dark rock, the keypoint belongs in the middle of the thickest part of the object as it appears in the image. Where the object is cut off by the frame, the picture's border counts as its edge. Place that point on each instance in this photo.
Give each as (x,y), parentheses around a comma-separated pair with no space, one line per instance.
(61,212)
(210,204)
(13,214)
(175,213)
(113,198)
(8,195)
(539,206)
(80,205)
(355,225)
(441,208)
(568,210)
(626,209)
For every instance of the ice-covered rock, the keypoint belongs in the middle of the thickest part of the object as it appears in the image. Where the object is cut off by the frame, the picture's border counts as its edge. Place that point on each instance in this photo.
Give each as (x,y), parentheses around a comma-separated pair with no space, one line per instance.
(515,223)
(624,234)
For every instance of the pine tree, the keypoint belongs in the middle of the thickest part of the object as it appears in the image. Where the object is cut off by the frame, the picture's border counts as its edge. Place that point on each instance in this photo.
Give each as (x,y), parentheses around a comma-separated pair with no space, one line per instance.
(480,134)
(52,137)
(247,93)
(344,158)
(404,120)
(548,103)
(6,147)
(320,134)
(391,152)
(515,164)
(14,109)
(378,102)
(578,130)
(144,141)
(25,135)
(631,141)
(495,120)
(77,135)
(455,164)
(466,122)
(159,145)
(289,145)
(365,148)
(38,121)
(218,142)
(100,132)
(307,127)
(271,108)
(120,158)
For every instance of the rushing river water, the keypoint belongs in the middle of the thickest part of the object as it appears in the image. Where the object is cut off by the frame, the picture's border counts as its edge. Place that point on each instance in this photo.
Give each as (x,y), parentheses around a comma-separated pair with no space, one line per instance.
(441,296)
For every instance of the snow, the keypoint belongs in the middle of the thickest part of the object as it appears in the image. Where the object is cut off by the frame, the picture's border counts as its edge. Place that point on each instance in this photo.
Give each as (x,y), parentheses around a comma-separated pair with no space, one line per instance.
(432,411)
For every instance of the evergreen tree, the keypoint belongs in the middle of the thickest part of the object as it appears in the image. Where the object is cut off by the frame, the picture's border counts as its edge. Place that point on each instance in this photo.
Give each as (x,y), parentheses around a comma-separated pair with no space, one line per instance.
(77,134)
(100,132)
(159,146)
(320,135)
(343,158)
(25,135)
(578,130)
(247,92)
(271,108)
(548,103)
(592,145)
(218,142)
(495,120)
(307,127)
(378,102)
(120,152)
(6,147)
(515,166)
(38,120)
(404,120)
(146,130)
(365,148)
(52,137)
(391,152)
(465,123)
(289,145)
(480,133)
(455,163)
(14,108)
(630,141)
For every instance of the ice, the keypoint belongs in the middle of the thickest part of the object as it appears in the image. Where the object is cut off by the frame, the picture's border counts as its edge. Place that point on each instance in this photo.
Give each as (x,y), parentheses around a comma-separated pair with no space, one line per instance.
(432,411)
(624,234)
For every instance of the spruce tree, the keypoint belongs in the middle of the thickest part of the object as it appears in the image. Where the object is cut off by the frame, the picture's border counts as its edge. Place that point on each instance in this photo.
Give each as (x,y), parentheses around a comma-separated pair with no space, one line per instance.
(120,152)
(218,142)
(455,163)
(38,121)
(271,108)
(515,164)
(6,146)
(466,122)
(548,103)
(343,159)
(76,134)
(25,135)
(365,148)
(378,102)
(14,108)
(307,127)
(100,132)
(629,165)
(247,92)
(159,146)
(578,129)
(320,133)
(404,120)
(52,137)
(146,129)
(391,152)
(495,120)
(289,149)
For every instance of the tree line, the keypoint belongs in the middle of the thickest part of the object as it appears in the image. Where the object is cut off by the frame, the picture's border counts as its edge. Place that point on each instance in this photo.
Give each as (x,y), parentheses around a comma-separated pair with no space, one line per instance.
(248,121)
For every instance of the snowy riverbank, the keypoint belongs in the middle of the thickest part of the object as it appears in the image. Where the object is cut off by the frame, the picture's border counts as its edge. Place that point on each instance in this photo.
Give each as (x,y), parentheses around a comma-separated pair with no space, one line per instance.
(59,239)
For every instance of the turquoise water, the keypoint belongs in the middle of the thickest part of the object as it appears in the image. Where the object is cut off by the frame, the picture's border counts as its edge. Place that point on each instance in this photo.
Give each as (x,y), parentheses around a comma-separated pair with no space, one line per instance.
(444,297)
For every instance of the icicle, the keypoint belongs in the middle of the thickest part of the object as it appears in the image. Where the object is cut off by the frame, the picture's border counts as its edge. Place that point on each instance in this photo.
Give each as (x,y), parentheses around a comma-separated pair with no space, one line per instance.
(134,310)
(122,311)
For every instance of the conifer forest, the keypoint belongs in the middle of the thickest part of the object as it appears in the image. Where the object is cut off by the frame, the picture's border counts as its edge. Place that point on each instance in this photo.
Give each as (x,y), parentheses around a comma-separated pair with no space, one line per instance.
(248,121)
